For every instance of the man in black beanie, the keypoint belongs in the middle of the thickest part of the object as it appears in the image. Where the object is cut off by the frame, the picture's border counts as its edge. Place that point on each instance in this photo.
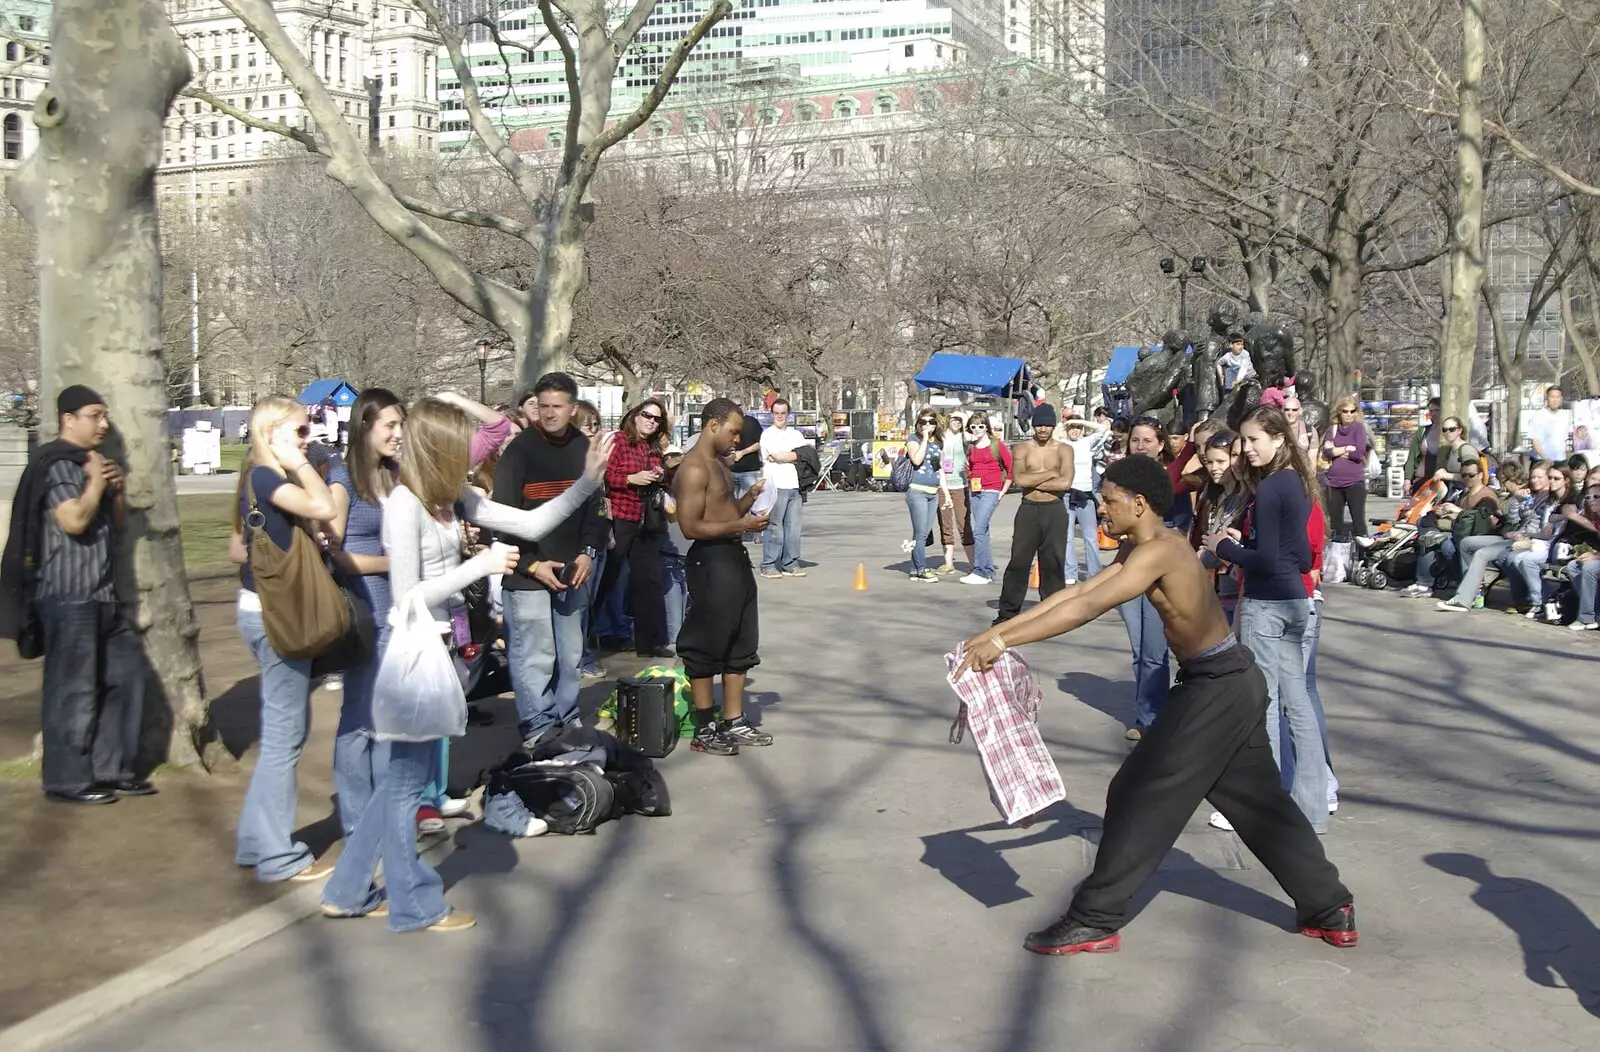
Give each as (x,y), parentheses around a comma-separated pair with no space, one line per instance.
(57,590)
(1043,475)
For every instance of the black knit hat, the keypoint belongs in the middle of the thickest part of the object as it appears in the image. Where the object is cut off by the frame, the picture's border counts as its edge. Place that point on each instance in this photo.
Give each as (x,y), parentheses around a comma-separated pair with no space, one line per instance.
(75,398)
(1044,415)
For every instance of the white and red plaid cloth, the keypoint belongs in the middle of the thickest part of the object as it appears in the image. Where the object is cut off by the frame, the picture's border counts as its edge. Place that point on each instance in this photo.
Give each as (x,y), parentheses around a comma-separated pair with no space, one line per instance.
(1001,706)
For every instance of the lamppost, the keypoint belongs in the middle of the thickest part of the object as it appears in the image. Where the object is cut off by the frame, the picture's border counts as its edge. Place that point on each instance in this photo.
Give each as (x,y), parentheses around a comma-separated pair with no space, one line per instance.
(483,371)
(1172,268)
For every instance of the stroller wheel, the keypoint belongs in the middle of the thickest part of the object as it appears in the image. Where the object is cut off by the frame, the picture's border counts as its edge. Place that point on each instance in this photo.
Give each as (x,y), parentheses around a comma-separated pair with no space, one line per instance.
(1378,581)
(1360,575)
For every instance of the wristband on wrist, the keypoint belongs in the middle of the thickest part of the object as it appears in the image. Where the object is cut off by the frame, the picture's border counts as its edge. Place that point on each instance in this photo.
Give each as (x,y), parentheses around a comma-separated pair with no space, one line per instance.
(1001,643)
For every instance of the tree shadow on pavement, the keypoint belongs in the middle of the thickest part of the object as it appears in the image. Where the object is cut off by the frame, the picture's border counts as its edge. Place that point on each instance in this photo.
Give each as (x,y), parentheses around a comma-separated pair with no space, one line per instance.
(1560,944)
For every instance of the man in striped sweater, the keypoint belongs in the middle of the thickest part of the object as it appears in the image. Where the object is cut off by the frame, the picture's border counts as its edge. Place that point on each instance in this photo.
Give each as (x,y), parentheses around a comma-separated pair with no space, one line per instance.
(544,600)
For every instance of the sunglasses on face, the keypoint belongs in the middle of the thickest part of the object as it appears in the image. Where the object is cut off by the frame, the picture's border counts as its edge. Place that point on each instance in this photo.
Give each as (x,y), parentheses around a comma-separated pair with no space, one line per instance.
(1452,430)
(651,416)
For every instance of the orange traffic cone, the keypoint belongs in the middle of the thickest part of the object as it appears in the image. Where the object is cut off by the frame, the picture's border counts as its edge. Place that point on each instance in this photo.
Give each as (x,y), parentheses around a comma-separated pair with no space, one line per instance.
(1033,575)
(861,577)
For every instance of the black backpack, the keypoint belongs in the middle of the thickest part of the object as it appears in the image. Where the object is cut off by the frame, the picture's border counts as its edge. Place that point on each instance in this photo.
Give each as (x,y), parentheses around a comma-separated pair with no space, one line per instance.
(571,798)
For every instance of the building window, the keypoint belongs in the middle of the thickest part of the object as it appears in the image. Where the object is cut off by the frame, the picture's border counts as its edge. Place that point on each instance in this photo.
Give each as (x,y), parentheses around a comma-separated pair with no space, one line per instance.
(391,120)
(836,156)
(758,164)
(885,104)
(879,153)
(911,50)
(11,51)
(722,167)
(394,80)
(799,160)
(213,151)
(25,23)
(845,108)
(13,137)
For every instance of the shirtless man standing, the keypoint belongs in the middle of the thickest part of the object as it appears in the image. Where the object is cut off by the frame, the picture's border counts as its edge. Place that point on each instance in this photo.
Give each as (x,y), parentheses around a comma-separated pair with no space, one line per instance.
(720,632)
(1043,474)
(1208,742)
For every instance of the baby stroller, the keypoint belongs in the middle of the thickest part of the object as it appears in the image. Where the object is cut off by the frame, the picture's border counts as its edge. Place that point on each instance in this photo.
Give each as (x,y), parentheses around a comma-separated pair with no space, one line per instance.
(1378,555)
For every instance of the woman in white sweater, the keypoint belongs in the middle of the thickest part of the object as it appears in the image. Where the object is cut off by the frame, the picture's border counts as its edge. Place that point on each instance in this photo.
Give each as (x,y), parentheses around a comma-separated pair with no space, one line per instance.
(422,539)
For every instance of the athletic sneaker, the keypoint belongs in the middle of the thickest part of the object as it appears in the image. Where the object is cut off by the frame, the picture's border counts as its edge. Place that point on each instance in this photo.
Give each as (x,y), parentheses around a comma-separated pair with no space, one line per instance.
(741,733)
(1582,626)
(1069,582)
(711,739)
(796,572)
(506,813)
(771,575)
(1415,591)
(429,820)
(946,568)
(1450,606)
(591,672)
(1134,734)
(455,807)
(1216,821)
(333,682)
(973,578)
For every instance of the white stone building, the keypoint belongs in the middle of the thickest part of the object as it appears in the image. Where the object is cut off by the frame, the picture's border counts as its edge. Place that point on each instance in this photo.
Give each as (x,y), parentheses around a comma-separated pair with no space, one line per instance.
(379,61)
(25,31)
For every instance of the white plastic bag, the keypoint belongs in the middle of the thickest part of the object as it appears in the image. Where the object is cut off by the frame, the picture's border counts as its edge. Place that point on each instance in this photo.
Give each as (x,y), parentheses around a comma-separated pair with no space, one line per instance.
(418,695)
(1337,559)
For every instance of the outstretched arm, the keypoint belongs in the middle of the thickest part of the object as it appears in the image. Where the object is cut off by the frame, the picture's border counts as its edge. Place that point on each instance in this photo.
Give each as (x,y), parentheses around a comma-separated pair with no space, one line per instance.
(1069,609)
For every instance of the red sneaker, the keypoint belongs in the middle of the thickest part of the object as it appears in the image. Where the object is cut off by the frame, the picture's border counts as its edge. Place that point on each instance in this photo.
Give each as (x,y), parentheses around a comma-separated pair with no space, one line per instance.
(1067,936)
(429,820)
(1339,931)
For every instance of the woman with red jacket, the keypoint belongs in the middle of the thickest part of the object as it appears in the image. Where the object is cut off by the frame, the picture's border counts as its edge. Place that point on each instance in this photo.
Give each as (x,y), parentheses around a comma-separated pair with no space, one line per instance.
(636,477)
(989,475)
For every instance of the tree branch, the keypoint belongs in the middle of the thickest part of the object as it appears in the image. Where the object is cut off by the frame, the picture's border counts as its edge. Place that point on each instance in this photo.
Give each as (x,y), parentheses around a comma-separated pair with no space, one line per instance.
(590,159)
(570,146)
(464,216)
(526,181)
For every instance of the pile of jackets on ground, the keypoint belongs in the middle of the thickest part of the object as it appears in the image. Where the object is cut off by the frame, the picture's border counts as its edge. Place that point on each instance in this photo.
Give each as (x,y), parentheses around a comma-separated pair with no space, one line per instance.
(570,781)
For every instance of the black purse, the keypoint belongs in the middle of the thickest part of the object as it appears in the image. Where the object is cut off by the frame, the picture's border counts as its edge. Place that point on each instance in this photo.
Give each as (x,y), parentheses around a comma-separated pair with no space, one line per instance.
(655,508)
(360,642)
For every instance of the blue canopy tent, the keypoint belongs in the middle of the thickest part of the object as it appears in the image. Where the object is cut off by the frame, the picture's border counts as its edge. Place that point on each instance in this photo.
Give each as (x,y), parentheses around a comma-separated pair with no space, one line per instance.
(320,392)
(1123,359)
(976,373)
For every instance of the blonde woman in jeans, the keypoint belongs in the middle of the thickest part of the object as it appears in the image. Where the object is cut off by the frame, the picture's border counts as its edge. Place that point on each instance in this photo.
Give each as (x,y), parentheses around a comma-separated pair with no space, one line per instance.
(422,539)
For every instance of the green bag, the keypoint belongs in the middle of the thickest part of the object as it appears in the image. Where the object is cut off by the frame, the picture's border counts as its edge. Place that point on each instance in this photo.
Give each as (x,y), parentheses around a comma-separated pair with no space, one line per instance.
(680,696)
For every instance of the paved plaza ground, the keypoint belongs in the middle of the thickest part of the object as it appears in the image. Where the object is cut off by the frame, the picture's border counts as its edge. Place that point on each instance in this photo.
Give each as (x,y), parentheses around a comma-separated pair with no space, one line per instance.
(851,887)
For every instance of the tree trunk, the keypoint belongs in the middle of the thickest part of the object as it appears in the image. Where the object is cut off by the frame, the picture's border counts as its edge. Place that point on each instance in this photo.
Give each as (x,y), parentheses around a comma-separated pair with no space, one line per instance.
(1466,253)
(552,302)
(1581,345)
(1342,314)
(88,190)
(1510,367)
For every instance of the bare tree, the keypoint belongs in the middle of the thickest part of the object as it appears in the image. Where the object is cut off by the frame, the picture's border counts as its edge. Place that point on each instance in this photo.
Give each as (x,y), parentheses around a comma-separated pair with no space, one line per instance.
(537,318)
(1466,248)
(116,66)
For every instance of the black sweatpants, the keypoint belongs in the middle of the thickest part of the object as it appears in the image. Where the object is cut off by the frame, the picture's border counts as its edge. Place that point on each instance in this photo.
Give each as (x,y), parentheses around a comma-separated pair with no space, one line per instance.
(646,600)
(1208,742)
(1040,530)
(721,631)
(1354,498)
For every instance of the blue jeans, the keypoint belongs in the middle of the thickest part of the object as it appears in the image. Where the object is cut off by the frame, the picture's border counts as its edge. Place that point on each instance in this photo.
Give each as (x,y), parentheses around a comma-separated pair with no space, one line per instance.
(675,589)
(923,507)
(1312,639)
(1083,520)
(1275,631)
(1476,554)
(590,587)
(544,649)
(1585,578)
(388,830)
(1527,568)
(266,822)
(359,759)
(984,504)
(1428,563)
(780,548)
(93,697)
(1152,675)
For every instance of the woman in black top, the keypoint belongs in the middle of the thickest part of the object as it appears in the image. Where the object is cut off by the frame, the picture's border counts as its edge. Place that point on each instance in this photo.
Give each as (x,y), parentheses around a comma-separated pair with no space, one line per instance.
(1274,552)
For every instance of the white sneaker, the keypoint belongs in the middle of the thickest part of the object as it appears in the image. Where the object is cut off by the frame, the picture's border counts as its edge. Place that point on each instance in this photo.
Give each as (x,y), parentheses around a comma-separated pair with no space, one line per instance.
(333,682)
(1069,582)
(1582,626)
(1333,806)
(973,578)
(1216,821)
(506,813)
(455,808)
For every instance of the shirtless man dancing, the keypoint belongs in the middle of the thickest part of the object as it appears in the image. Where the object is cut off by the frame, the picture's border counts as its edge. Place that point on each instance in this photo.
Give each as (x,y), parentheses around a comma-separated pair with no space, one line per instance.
(1208,742)
(720,632)
(1044,475)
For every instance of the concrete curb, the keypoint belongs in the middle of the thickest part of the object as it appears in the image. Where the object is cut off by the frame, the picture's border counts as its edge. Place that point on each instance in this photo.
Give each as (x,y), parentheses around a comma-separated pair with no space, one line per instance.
(51,1028)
